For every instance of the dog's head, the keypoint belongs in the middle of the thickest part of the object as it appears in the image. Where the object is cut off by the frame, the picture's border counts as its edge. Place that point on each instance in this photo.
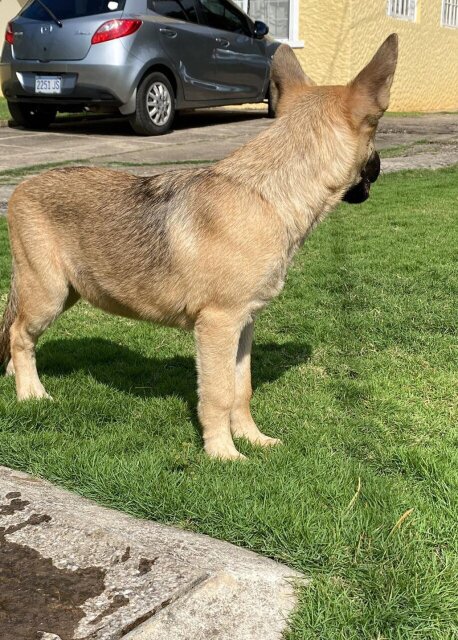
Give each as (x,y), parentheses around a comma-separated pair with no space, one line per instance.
(368,100)
(354,110)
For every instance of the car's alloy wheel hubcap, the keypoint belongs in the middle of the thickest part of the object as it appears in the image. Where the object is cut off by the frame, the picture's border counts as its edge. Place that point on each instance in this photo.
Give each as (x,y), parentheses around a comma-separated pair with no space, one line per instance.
(159,103)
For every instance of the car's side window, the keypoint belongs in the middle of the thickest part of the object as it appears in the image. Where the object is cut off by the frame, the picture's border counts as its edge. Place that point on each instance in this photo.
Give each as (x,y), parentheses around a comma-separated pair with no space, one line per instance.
(221,14)
(177,9)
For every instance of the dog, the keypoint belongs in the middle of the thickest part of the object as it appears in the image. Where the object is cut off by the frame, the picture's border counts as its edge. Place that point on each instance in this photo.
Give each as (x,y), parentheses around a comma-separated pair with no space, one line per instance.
(204,249)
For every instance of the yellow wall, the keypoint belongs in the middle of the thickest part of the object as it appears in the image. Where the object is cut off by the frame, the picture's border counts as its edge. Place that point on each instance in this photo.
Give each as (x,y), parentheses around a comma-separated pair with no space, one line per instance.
(340,37)
(324,29)
(8,9)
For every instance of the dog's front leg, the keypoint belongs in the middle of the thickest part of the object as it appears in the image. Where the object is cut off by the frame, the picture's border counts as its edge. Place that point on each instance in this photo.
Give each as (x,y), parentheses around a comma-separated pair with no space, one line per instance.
(217,336)
(242,423)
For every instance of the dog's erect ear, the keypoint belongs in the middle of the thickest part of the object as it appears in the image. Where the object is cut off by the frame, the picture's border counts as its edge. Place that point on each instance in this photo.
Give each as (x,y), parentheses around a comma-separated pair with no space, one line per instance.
(373,84)
(286,71)
(287,78)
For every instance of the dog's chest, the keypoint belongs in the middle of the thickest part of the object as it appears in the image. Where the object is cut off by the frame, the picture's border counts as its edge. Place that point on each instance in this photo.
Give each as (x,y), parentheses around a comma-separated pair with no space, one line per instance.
(275,279)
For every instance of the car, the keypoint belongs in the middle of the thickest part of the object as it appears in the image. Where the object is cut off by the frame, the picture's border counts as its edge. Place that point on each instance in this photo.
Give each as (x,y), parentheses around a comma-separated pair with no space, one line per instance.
(146,59)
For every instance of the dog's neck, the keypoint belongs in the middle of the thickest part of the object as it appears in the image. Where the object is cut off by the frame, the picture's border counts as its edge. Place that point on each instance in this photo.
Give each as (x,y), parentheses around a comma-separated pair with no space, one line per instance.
(300,167)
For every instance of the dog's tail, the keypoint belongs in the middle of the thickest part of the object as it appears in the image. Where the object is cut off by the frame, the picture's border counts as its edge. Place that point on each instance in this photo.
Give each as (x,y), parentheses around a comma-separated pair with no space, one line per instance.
(9,317)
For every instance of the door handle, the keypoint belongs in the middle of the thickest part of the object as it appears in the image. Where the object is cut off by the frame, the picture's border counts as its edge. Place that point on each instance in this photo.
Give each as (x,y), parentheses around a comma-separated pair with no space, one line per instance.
(170,33)
(223,42)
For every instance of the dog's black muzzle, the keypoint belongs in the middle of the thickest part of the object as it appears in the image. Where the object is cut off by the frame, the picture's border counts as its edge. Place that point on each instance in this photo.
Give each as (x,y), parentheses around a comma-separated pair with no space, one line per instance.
(360,192)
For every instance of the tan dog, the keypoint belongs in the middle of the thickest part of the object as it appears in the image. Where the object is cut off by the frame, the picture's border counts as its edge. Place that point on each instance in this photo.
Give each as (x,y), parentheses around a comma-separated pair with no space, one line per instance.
(203,249)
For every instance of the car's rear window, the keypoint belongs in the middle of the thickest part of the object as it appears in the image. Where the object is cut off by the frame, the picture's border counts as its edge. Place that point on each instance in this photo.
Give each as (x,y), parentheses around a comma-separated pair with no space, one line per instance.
(65,9)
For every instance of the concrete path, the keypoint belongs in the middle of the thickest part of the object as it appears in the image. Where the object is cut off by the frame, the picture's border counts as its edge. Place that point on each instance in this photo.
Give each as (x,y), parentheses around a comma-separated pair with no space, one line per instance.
(71,569)
(206,135)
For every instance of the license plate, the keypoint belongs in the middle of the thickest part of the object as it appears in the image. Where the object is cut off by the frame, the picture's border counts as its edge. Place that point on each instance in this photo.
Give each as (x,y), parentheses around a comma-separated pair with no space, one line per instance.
(48,84)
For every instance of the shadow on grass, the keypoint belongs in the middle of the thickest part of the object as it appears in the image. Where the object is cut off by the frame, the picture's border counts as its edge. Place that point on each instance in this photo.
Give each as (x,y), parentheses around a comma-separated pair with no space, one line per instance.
(118,366)
(122,368)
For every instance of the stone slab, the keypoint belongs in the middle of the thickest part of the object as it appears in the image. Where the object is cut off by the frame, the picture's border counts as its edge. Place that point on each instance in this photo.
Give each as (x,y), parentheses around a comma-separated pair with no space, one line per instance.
(74,570)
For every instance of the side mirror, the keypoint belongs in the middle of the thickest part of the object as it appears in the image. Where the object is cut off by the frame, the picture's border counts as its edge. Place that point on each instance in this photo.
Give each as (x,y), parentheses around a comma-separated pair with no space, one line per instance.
(260,29)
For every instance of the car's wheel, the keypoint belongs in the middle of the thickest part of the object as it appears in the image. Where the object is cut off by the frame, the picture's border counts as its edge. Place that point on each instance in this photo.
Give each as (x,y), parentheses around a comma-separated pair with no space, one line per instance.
(155,109)
(32,116)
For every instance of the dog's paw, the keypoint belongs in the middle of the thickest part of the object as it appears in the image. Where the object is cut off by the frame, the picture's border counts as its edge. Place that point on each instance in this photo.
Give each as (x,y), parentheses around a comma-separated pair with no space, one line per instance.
(223,451)
(33,393)
(255,437)
(266,441)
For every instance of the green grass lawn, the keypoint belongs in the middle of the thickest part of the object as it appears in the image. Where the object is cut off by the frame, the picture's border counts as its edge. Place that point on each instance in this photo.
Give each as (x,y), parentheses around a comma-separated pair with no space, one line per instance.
(4,113)
(414,114)
(355,368)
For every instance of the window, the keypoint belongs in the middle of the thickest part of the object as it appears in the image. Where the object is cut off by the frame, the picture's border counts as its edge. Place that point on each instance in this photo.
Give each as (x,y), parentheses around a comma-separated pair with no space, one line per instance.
(72,9)
(402,9)
(221,14)
(275,13)
(450,13)
(281,16)
(178,9)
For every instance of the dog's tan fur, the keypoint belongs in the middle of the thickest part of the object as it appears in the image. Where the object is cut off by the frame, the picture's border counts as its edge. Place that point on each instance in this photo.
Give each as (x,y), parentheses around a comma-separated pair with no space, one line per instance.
(203,249)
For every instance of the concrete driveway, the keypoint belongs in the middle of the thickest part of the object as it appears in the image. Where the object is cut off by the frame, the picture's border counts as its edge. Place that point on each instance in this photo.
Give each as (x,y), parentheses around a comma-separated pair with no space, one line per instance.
(205,135)
(202,135)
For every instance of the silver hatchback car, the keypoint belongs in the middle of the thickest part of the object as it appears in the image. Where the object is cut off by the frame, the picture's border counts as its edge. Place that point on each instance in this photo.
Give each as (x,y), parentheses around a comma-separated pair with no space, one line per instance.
(146,59)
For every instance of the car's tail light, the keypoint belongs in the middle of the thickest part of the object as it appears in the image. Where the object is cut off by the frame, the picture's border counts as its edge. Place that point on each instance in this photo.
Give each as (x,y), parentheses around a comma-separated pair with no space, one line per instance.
(9,34)
(115,29)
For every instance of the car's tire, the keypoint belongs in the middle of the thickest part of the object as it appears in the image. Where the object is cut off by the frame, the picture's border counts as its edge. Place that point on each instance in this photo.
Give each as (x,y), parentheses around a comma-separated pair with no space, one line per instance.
(32,116)
(155,106)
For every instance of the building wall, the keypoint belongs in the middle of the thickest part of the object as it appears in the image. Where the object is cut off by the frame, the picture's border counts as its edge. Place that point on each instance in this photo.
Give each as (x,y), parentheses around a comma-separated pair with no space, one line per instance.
(8,9)
(340,37)
(427,74)
(324,27)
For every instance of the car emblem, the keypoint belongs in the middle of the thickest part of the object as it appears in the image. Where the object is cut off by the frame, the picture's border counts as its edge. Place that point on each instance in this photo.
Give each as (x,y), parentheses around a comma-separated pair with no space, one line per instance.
(46,29)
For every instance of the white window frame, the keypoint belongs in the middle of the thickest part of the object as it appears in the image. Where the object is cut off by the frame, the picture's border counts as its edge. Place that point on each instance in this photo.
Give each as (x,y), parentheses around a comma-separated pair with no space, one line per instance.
(449,14)
(293,37)
(402,9)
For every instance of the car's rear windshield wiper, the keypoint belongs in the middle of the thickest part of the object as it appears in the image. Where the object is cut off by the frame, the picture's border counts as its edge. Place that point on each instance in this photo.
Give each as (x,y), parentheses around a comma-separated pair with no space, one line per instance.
(48,10)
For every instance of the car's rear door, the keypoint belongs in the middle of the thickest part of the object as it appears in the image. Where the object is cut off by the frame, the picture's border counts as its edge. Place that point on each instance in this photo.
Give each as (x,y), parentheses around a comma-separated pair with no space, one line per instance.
(37,36)
(240,60)
(189,46)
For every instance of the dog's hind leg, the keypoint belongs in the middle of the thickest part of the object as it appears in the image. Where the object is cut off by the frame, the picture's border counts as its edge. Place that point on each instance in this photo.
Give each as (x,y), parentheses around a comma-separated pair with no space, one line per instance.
(40,301)
(242,423)
(70,301)
(217,336)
